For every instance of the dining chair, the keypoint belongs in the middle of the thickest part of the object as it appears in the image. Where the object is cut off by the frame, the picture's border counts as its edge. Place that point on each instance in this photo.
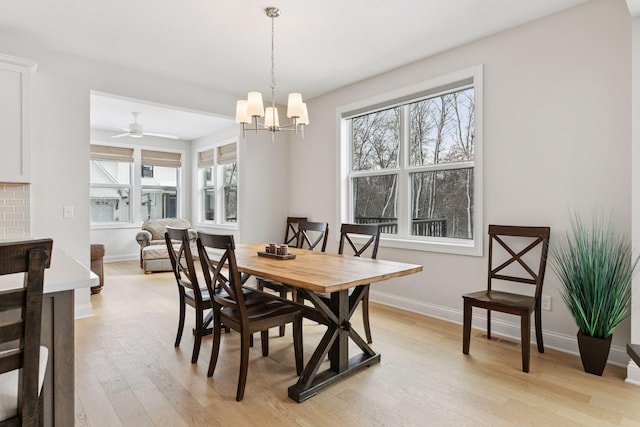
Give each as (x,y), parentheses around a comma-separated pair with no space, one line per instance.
(217,255)
(23,360)
(516,255)
(349,235)
(189,291)
(290,239)
(313,235)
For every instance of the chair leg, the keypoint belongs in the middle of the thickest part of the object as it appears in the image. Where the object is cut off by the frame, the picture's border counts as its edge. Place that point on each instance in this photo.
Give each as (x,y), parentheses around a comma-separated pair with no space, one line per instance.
(297,343)
(526,340)
(217,336)
(283,294)
(365,316)
(244,365)
(466,328)
(198,331)
(264,338)
(488,324)
(180,321)
(539,330)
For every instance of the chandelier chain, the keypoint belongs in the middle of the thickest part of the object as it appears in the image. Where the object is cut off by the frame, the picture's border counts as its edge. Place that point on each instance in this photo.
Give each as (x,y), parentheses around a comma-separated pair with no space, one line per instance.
(273,62)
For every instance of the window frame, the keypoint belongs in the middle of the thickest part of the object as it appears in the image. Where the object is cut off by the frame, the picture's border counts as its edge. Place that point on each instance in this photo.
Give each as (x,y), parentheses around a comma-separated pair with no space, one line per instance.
(432,87)
(136,183)
(101,224)
(218,186)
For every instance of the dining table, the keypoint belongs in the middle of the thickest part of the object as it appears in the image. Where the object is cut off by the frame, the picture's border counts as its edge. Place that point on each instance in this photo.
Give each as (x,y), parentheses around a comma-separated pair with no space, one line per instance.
(345,279)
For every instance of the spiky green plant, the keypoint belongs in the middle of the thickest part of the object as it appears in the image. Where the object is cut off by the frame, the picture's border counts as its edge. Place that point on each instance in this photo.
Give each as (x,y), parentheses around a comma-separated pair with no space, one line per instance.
(595,265)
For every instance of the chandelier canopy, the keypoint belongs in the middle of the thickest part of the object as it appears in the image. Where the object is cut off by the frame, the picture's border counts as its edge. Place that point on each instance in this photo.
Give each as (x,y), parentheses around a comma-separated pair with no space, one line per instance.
(251,109)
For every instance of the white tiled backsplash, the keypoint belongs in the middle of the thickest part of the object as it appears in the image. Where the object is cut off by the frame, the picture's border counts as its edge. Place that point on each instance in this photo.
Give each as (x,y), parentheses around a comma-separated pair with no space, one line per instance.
(14,210)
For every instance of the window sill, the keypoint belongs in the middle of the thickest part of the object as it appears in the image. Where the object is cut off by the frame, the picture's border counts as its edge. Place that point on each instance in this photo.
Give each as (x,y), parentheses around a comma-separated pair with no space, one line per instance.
(115,225)
(458,247)
(233,227)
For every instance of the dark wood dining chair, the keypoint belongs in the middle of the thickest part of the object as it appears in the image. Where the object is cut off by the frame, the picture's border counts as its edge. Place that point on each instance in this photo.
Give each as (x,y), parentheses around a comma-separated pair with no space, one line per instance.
(516,255)
(290,239)
(369,248)
(217,255)
(313,235)
(189,291)
(23,360)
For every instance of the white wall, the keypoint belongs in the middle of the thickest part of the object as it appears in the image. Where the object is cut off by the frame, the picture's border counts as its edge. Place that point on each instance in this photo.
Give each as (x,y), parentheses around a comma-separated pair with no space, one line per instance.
(556,138)
(60,144)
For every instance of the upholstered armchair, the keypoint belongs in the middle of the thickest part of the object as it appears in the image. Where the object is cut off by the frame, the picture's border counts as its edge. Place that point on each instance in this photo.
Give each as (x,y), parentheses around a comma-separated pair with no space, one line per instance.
(153,249)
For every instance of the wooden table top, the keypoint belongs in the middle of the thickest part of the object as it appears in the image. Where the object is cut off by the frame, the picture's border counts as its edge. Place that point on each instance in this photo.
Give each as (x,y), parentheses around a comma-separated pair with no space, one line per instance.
(318,271)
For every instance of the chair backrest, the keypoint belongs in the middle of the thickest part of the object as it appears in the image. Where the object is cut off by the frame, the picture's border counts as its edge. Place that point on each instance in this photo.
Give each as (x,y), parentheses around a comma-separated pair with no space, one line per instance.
(20,333)
(348,231)
(217,254)
(182,259)
(524,251)
(291,232)
(313,235)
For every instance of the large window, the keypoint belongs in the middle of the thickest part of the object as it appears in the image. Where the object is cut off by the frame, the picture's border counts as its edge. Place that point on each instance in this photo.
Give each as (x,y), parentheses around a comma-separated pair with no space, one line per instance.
(412,166)
(110,176)
(130,184)
(159,191)
(218,175)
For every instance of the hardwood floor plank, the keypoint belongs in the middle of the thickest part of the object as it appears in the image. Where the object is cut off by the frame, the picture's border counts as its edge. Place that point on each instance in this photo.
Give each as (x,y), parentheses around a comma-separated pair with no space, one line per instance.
(129,373)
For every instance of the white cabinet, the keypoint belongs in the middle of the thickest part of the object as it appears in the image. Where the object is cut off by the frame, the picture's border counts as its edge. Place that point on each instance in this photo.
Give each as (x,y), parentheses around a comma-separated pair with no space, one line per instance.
(15,109)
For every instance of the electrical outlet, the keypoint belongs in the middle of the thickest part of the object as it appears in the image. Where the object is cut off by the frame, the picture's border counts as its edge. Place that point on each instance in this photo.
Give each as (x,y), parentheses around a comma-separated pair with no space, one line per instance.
(546,302)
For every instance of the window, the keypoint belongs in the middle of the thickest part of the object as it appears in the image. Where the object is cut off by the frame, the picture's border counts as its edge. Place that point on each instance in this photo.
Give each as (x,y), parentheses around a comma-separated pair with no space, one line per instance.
(110,177)
(159,191)
(411,163)
(218,174)
(130,184)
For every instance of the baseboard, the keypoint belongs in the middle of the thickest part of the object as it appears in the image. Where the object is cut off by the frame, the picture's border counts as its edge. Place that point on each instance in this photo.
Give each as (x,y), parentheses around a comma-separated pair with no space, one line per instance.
(82,311)
(125,257)
(565,343)
(633,373)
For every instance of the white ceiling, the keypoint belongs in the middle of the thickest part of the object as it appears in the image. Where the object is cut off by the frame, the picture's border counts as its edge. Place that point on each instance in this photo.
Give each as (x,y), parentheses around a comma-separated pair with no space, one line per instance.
(225,44)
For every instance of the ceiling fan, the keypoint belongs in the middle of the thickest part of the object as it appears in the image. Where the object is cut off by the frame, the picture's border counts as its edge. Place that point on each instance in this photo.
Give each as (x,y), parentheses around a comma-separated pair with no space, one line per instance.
(135,130)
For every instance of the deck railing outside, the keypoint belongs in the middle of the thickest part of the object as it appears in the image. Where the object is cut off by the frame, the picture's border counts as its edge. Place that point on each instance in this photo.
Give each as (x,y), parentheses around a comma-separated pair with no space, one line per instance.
(433,227)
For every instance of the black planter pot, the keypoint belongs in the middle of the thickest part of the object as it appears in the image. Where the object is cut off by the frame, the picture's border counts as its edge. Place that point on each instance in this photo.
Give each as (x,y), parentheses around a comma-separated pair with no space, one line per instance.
(594,353)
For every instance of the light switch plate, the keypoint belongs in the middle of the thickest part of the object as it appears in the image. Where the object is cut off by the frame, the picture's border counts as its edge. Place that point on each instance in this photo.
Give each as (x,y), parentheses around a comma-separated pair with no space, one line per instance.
(67,211)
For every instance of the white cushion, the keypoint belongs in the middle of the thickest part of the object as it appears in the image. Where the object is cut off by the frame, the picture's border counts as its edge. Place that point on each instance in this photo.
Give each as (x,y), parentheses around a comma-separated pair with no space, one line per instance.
(9,387)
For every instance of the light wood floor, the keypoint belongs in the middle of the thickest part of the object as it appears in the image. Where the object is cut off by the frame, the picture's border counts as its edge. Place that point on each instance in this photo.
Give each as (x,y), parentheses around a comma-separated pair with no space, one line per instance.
(128,373)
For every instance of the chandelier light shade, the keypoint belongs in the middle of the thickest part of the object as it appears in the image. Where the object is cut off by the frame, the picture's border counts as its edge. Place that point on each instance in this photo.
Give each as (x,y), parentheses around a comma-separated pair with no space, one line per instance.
(250,110)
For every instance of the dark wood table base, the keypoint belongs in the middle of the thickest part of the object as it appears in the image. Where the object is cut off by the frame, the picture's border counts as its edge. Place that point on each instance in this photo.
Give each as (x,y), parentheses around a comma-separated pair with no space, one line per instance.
(334,343)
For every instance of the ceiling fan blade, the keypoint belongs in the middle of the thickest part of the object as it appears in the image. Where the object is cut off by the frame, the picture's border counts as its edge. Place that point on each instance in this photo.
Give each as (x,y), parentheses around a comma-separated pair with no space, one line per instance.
(121,135)
(161,135)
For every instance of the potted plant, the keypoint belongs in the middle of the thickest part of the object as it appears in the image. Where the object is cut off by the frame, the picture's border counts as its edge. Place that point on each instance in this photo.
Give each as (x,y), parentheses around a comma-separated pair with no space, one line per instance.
(595,266)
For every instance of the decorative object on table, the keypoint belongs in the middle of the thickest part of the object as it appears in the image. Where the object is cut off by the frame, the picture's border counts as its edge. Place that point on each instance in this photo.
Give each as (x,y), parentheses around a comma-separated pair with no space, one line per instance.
(23,363)
(595,266)
(250,109)
(97,266)
(269,254)
(520,256)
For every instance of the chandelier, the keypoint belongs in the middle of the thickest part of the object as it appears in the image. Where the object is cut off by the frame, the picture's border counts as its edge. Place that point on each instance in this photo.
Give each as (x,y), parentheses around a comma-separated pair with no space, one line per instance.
(251,109)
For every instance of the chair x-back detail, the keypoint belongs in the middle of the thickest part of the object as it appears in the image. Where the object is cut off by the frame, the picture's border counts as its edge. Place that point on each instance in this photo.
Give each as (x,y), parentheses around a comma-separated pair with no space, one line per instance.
(217,254)
(189,290)
(313,235)
(23,361)
(530,263)
(291,232)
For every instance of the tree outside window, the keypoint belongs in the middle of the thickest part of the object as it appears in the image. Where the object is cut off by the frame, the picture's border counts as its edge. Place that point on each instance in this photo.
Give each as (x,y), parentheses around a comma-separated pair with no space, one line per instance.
(412,164)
